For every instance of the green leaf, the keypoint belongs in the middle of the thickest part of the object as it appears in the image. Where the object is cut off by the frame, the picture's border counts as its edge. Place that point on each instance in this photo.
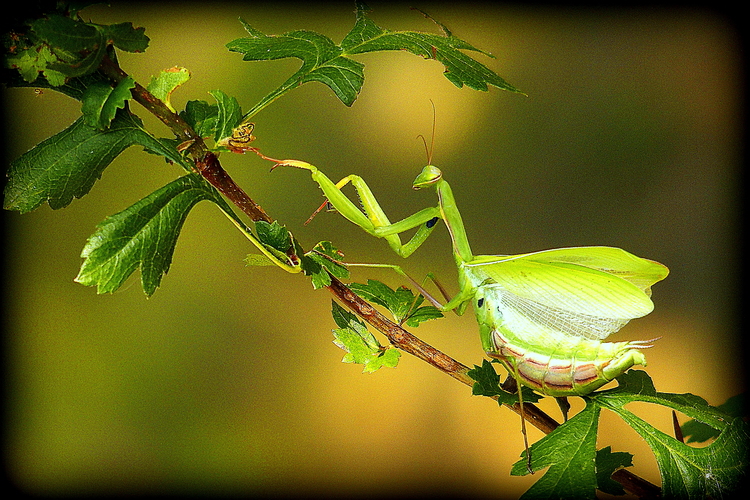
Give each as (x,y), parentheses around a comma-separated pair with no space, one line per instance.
(202,116)
(569,453)
(686,472)
(488,384)
(460,69)
(273,235)
(166,82)
(360,345)
(402,303)
(607,462)
(321,260)
(101,102)
(698,432)
(325,62)
(30,62)
(67,164)
(67,34)
(125,37)
(141,236)
(229,114)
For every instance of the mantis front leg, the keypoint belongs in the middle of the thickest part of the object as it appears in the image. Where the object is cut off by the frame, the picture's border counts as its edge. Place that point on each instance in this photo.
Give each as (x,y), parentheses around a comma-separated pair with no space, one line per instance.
(371,217)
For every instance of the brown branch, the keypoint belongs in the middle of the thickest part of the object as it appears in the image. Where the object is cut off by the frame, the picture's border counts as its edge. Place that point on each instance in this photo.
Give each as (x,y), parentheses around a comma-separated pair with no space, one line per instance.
(206,162)
(208,165)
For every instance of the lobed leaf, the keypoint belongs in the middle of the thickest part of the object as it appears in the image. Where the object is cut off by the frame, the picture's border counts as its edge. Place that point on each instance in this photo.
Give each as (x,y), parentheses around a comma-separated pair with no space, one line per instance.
(698,432)
(229,114)
(142,236)
(321,260)
(68,164)
(568,451)
(686,472)
(325,62)
(100,102)
(607,462)
(201,116)
(488,384)
(402,303)
(360,345)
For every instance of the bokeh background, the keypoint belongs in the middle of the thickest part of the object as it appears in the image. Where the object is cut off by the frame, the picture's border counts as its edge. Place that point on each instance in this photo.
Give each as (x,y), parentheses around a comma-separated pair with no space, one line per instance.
(226,380)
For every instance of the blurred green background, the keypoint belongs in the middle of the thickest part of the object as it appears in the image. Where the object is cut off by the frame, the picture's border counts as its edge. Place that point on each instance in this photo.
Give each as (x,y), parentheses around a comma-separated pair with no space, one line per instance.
(226,380)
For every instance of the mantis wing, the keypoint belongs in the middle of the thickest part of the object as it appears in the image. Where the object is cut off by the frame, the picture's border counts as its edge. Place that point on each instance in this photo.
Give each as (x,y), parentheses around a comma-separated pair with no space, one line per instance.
(583,292)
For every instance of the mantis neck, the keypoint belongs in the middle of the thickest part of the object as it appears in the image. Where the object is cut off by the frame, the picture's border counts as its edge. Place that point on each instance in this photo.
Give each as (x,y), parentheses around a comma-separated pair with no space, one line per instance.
(453,221)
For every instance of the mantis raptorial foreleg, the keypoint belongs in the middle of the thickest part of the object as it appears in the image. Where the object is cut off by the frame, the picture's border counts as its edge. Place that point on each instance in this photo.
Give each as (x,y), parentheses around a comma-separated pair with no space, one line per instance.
(371,217)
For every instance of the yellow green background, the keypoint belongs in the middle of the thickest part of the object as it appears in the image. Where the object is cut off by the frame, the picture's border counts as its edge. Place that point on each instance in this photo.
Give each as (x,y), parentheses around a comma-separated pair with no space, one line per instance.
(227,380)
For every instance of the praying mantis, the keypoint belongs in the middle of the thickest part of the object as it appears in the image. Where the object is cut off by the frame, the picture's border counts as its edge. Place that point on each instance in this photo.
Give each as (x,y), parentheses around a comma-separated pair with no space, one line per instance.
(544,315)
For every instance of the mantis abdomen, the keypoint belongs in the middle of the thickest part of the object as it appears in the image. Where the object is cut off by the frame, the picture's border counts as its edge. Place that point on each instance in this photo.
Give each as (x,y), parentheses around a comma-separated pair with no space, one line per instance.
(575,370)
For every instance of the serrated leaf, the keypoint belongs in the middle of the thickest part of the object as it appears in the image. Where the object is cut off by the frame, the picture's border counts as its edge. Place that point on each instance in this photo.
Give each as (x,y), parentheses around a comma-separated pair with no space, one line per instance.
(166,82)
(360,345)
(698,432)
(202,116)
(141,236)
(68,164)
(686,472)
(67,34)
(488,384)
(325,62)
(569,453)
(460,69)
(101,102)
(320,261)
(273,235)
(402,303)
(229,114)
(125,37)
(607,462)
(34,60)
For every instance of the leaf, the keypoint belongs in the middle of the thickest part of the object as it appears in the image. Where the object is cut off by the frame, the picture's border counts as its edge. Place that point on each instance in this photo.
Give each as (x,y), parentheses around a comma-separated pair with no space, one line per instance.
(569,452)
(361,346)
(607,462)
(686,472)
(273,235)
(488,384)
(67,164)
(125,37)
(67,34)
(321,260)
(166,82)
(30,62)
(325,62)
(141,236)
(229,115)
(201,116)
(402,303)
(101,102)
(460,69)
(698,432)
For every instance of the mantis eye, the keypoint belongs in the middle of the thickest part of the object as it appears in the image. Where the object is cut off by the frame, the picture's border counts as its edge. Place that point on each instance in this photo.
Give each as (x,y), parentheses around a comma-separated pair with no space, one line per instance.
(480,302)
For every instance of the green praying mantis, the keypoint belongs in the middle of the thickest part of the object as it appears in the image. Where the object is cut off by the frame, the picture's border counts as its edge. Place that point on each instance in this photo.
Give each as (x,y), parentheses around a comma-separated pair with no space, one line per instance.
(543,315)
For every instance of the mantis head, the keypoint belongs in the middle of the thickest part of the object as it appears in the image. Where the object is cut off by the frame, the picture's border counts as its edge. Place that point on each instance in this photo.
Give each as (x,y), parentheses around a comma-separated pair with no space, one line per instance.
(429,176)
